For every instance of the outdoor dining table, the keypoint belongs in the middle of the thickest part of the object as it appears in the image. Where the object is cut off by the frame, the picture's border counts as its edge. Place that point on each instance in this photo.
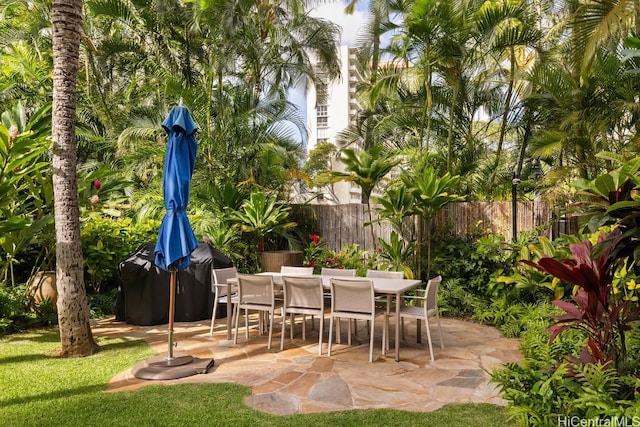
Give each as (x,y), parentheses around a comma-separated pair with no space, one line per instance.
(392,288)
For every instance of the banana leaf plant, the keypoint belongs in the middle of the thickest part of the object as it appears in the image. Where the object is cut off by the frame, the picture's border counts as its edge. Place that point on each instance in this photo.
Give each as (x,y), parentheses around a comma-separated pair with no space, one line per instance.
(26,191)
(602,314)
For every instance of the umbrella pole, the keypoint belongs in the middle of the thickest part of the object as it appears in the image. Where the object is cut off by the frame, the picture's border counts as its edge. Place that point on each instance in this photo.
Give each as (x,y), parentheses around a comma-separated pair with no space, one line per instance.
(172,310)
(171,361)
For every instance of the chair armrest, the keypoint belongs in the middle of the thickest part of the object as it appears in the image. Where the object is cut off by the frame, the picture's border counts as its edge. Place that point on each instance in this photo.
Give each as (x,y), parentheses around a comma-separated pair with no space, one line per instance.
(415,300)
(228,288)
(414,297)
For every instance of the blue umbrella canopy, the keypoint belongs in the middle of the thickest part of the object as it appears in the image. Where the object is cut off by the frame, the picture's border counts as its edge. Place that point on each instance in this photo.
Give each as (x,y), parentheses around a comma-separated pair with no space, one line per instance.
(176,239)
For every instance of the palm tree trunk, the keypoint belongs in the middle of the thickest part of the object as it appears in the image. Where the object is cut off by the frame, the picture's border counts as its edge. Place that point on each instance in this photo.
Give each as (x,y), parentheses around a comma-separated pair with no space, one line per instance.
(452,114)
(505,117)
(430,113)
(428,251)
(424,241)
(419,247)
(523,147)
(375,52)
(425,128)
(373,236)
(73,309)
(636,7)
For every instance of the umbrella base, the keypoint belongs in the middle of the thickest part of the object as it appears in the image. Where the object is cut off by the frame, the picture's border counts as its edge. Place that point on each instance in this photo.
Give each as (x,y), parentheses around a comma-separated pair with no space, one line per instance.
(178,367)
(173,361)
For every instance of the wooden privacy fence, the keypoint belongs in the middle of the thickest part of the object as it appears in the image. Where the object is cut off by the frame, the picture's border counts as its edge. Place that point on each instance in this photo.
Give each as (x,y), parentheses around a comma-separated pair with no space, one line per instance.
(342,225)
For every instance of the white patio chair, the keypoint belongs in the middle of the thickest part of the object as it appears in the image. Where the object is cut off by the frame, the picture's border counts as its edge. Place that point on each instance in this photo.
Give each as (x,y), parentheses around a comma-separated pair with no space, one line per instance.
(426,306)
(381,301)
(347,272)
(325,271)
(387,274)
(220,277)
(353,299)
(296,271)
(256,292)
(302,295)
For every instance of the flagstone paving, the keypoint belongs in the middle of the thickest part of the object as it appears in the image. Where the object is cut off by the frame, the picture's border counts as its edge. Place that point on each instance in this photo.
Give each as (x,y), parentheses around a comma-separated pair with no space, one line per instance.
(298,380)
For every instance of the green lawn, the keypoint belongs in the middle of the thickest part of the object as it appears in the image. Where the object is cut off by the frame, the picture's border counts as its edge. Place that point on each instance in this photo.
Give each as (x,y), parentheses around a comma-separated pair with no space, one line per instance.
(39,390)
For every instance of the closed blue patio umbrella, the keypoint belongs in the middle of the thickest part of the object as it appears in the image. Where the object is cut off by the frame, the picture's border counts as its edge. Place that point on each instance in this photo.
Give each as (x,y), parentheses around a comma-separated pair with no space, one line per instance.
(176,239)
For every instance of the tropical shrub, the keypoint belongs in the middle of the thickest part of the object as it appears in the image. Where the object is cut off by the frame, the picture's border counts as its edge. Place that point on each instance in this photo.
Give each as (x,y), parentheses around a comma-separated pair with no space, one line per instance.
(396,255)
(579,358)
(314,253)
(595,393)
(527,278)
(103,304)
(504,313)
(483,279)
(367,168)
(263,217)
(106,241)
(420,192)
(545,389)
(599,309)
(317,255)
(474,259)
(580,361)
(18,312)
(26,192)
(347,257)
(350,256)
(468,267)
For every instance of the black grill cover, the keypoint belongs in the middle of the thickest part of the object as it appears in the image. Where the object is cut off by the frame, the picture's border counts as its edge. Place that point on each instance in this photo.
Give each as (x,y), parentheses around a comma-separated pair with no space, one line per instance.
(145,287)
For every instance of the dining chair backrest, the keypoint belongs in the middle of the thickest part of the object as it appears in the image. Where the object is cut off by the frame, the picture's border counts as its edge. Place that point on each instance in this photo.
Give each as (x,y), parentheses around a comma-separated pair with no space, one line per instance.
(303,292)
(220,276)
(352,299)
(291,270)
(386,274)
(431,294)
(255,289)
(354,296)
(338,272)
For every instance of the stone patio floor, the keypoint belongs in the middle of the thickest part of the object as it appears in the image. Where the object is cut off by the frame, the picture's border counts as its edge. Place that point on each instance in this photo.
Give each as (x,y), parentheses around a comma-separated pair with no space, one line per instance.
(298,380)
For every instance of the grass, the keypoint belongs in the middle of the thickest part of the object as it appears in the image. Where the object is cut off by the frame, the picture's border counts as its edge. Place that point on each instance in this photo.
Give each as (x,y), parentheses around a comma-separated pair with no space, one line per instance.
(37,389)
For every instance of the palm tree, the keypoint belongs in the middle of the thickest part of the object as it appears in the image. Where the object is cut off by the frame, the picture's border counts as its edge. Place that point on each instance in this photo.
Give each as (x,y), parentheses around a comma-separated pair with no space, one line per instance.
(266,44)
(395,205)
(370,43)
(367,169)
(427,25)
(429,98)
(509,31)
(430,193)
(441,84)
(73,308)
(26,46)
(248,140)
(582,102)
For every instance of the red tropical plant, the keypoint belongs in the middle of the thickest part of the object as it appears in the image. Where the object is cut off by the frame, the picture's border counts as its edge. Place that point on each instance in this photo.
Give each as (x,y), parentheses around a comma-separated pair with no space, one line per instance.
(314,251)
(596,310)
